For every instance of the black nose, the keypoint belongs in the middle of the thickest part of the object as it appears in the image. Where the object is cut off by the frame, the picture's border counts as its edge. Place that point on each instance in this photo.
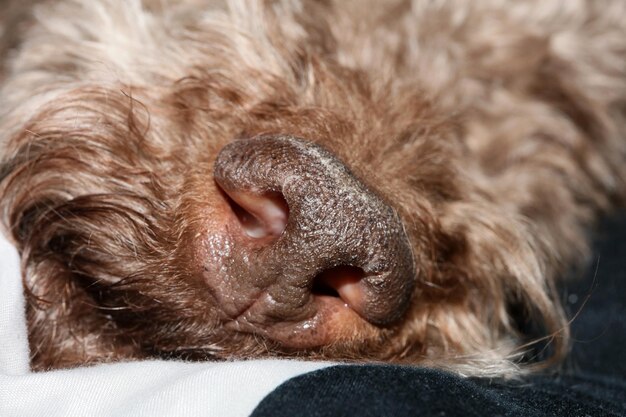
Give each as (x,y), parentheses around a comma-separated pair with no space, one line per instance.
(335,229)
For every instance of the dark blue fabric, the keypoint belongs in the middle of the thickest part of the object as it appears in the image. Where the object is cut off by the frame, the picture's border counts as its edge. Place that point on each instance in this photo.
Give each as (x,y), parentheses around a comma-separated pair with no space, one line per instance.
(396,391)
(599,330)
(591,383)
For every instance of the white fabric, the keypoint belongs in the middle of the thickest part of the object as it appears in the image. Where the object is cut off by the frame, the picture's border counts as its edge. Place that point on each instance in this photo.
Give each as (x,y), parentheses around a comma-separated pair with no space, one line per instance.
(148,388)
(13,341)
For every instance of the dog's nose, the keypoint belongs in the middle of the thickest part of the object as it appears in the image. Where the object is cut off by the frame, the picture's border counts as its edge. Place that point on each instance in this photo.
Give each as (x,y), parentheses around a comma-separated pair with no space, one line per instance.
(307,229)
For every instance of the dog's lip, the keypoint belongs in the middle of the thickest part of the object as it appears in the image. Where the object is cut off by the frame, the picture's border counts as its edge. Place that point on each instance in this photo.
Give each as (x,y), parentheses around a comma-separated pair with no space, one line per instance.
(331,320)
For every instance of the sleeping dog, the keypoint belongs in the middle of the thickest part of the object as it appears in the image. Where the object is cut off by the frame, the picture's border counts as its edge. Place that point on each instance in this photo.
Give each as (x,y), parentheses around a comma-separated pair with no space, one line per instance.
(399,181)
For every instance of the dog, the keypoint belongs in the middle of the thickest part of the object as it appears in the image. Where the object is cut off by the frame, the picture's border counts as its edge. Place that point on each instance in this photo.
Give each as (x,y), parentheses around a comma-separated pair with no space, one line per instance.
(399,181)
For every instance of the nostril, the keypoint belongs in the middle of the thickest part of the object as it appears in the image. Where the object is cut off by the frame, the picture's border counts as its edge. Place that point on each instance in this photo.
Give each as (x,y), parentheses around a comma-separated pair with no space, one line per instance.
(260,216)
(342,282)
(322,287)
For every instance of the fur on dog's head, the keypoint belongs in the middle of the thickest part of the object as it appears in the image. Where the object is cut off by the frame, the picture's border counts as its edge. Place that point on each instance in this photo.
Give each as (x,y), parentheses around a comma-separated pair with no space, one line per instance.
(113,122)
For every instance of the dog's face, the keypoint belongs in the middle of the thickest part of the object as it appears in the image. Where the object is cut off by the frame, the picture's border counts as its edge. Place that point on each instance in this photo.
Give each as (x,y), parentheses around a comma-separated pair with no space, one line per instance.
(243,183)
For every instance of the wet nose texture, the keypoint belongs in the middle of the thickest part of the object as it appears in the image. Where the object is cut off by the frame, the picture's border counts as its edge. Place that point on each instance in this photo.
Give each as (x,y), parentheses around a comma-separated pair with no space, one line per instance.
(320,227)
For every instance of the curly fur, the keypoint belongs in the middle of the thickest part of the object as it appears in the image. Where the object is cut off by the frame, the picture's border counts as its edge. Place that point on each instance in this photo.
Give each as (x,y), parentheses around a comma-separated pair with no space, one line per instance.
(496,130)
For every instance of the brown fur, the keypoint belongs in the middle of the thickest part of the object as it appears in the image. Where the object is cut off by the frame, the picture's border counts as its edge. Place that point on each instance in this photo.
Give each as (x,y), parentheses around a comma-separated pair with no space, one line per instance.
(495,129)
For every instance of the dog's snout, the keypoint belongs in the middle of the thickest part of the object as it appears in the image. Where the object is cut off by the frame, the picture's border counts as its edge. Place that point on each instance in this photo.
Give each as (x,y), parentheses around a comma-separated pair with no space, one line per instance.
(306,231)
